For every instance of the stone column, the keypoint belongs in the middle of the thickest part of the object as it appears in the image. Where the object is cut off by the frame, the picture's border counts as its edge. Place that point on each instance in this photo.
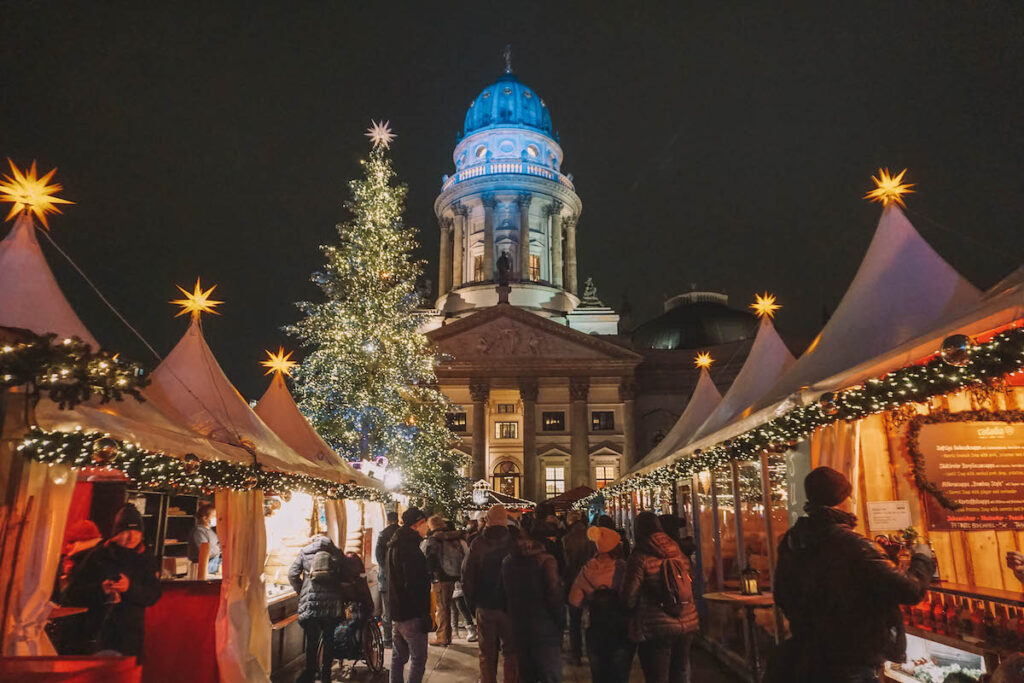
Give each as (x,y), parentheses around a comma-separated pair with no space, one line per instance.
(523,200)
(479,392)
(555,210)
(528,393)
(489,203)
(570,254)
(579,388)
(459,247)
(444,279)
(627,394)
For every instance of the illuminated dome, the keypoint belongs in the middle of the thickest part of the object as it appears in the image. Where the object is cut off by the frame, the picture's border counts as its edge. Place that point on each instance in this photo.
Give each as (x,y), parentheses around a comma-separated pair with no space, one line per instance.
(507,103)
(696,320)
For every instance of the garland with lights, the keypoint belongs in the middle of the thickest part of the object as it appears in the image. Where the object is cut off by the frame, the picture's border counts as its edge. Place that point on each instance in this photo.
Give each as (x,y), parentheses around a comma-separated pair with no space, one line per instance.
(159,472)
(68,372)
(969,366)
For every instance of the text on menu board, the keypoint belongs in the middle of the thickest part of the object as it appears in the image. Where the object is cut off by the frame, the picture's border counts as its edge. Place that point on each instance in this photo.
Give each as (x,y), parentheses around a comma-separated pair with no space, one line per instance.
(980,466)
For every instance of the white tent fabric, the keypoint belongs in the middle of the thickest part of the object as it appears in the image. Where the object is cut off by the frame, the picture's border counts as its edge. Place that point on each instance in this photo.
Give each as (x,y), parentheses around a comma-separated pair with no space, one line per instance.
(278,410)
(703,401)
(29,295)
(769,359)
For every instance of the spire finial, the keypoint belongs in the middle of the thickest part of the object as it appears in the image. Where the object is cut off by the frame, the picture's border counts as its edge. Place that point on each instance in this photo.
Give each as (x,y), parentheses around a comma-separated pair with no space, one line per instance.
(507,54)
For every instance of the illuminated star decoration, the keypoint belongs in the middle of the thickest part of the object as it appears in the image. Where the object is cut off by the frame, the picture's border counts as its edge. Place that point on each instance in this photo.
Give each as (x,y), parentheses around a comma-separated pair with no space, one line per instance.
(279,362)
(703,360)
(30,193)
(380,134)
(889,189)
(196,302)
(764,305)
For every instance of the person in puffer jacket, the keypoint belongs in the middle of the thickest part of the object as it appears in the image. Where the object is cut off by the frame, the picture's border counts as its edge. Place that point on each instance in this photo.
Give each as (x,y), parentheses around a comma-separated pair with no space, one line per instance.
(321,603)
(663,638)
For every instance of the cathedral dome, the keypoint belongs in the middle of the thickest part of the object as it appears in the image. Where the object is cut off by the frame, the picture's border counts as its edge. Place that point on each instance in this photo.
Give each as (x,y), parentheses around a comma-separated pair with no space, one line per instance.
(693,321)
(507,103)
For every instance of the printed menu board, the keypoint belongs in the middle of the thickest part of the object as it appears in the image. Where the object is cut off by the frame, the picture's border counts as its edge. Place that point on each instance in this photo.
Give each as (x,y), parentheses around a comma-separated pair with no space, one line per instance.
(979,465)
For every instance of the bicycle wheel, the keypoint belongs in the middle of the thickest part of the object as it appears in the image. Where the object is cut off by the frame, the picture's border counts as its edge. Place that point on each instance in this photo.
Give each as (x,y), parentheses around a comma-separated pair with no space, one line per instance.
(373,646)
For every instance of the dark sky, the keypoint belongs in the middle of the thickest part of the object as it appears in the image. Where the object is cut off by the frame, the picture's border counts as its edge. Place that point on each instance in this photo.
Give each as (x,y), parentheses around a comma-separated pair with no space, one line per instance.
(726,146)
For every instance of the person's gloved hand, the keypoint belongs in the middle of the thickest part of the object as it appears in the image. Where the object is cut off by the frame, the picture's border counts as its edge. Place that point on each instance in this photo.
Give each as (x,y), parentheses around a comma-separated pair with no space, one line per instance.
(923,549)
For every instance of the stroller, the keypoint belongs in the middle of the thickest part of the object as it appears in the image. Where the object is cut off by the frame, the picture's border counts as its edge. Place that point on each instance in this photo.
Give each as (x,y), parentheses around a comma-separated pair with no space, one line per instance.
(359,638)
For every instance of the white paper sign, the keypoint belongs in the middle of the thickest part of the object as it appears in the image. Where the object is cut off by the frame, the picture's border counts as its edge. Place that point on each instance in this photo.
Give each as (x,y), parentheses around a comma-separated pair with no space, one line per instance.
(888,515)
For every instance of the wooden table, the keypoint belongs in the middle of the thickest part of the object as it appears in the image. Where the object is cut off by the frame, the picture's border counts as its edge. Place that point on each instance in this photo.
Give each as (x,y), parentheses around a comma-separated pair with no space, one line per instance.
(749,603)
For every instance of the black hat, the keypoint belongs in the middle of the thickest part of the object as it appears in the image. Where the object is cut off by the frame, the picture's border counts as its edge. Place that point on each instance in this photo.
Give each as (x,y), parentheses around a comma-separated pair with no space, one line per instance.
(411,516)
(826,486)
(127,517)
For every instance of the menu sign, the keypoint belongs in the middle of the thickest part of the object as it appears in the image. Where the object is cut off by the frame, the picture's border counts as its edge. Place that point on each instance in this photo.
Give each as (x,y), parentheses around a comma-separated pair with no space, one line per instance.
(979,465)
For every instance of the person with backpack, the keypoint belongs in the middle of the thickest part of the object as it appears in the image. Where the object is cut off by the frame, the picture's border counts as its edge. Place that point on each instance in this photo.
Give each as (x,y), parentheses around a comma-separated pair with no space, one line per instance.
(409,597)
(317,575)
(485,593)
(444,553)
(658,592)
(598,587)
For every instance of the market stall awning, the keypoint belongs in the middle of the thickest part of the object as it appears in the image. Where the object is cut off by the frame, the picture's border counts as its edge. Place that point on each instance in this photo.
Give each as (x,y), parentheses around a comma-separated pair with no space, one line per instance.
(564,501)
(702,403)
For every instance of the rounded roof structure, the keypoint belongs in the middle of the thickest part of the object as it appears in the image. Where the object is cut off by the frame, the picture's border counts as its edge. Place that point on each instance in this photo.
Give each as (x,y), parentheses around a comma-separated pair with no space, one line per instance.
(696,322)
(507,103)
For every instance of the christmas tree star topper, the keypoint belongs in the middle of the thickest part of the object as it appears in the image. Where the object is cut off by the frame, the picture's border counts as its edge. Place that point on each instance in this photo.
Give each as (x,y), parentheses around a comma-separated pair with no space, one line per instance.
(889,188)
(703,360)
(279,362)
(26,191)
(196,302)
(380,134)
(764,305)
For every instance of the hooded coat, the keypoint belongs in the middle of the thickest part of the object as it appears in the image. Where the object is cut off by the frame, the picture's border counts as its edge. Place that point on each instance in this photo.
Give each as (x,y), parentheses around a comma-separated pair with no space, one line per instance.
(408,578)
(642,586)
(534,592)
(318,598)
(841,593)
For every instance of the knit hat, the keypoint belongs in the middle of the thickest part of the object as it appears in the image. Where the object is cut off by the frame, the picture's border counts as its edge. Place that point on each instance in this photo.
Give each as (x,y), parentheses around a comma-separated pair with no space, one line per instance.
(827,487)
(127,517)
(606,540)
(411,516)
(497,516)
(83,530)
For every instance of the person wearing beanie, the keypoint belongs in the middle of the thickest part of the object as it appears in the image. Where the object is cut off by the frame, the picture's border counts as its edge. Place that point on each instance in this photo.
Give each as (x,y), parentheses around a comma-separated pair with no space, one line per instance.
(117,581)
(381,555)
(840,592)
(598,589)
(409,597)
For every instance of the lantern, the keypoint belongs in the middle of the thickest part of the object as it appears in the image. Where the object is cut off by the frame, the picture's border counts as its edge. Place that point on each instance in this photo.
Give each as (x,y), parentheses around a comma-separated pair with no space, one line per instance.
(748,581)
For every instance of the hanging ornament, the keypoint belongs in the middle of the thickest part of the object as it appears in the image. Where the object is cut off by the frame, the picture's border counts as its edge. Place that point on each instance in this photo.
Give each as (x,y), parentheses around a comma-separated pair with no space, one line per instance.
(104,450)
(827,403)
(956,350)
(191,464)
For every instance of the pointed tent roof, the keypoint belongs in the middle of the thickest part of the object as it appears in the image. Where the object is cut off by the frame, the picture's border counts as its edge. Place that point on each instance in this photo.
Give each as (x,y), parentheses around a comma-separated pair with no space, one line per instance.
(278,411)
(769,359)
(191,385)
(901,290)
(703,401)
(31,297)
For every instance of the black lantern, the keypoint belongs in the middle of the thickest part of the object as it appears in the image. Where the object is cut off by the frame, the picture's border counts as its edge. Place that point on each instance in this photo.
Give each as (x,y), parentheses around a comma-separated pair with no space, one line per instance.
(748,582)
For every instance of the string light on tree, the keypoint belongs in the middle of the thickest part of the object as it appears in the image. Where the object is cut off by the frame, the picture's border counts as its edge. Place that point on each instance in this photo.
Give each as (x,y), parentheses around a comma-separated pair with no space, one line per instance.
(889,189)
(279,362)
(197,301)
(764,305)
(27,192)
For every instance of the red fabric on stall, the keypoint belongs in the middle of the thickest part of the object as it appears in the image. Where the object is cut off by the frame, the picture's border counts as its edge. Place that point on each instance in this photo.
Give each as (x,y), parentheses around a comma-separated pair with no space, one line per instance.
(180,640)
(81,503)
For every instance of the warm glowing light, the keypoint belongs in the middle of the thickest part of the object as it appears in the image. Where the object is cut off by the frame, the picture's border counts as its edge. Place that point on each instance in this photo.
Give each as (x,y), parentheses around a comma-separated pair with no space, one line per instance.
(380,134)
(764,305)
(703,360)
(196,302)
(889,189)
(26,191)
(279,362)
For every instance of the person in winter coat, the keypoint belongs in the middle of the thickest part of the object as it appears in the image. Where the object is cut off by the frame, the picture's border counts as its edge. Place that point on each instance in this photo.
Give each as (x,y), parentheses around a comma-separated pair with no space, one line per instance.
(599,588)
(73,635)
(317,575)
(444,553)
(381,555)
(536,607)
(409,597)
(117,581)
(840,592)
(577,549)
(657,590)
(485,593)
(608,523)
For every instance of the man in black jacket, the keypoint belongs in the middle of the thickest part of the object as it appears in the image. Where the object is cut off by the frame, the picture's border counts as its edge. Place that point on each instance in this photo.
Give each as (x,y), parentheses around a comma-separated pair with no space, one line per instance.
(381,555)
(409,597)
(840,592)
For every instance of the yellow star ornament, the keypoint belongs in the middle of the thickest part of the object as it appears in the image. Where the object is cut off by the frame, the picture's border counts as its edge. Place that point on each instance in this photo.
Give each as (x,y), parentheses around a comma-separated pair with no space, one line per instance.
(889,189)
(279,362)
(197,301)
(764,305)
(26,191)
(703,360)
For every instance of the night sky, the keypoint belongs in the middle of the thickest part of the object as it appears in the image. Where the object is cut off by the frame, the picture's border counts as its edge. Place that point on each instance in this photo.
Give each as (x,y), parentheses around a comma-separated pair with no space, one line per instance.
(727,147)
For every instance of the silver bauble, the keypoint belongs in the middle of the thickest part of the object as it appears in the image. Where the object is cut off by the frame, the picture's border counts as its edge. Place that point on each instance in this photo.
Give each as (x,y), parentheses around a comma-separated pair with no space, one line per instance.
(827,403)
(104,450)
(191,464)
(956,350)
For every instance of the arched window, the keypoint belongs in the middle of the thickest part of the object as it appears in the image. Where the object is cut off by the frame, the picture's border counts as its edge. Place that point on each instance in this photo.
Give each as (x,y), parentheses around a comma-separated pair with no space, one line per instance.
(507,478)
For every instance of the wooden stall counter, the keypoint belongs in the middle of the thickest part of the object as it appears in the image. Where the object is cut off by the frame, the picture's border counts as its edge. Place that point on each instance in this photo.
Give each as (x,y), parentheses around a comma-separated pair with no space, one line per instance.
(180,633)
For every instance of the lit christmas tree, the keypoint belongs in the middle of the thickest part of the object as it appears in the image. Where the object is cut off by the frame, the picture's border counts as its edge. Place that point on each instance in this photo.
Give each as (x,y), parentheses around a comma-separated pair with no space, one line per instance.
(367,383)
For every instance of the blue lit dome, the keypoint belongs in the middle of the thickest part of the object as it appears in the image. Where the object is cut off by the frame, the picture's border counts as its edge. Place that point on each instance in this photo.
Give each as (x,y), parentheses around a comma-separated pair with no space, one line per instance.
(508,104)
